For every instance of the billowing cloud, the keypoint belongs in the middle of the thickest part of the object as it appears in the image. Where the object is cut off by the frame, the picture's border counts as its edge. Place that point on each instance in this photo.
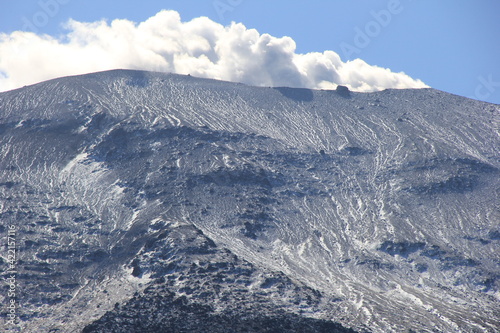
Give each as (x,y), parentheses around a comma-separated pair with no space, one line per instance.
(200,47)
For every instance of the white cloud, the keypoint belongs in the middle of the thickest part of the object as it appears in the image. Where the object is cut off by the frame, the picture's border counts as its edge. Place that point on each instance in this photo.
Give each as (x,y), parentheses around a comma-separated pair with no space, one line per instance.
(200,47)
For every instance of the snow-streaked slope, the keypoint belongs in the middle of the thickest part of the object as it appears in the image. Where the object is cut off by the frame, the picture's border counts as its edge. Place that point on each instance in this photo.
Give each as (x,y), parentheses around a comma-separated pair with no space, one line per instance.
(386,203)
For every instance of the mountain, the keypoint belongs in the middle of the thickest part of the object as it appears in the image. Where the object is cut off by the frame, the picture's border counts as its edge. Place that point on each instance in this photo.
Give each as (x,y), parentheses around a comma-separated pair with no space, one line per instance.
(152,202)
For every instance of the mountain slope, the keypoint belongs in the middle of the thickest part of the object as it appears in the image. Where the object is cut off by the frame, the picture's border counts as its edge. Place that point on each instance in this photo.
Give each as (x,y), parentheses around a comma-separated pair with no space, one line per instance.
(378,211)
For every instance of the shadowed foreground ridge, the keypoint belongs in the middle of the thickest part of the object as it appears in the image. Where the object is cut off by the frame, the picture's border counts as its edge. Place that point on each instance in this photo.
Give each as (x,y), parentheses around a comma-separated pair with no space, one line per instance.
(150,202)
(214,295)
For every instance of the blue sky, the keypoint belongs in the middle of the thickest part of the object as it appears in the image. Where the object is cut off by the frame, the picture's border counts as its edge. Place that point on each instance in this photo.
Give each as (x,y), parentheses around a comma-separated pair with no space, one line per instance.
(451,45)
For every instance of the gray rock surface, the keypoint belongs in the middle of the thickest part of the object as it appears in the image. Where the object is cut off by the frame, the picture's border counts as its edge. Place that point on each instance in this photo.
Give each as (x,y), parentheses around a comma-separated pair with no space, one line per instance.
(146,201)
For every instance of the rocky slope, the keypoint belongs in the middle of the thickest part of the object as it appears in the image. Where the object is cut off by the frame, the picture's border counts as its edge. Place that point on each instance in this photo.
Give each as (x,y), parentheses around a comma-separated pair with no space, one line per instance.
(148,202)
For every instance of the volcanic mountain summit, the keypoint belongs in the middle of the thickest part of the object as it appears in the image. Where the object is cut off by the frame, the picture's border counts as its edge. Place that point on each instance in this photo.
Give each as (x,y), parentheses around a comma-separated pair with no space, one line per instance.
(152,202)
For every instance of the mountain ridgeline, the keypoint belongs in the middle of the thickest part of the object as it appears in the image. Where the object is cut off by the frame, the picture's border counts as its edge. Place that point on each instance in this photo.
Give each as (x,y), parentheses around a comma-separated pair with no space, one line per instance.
(153,202)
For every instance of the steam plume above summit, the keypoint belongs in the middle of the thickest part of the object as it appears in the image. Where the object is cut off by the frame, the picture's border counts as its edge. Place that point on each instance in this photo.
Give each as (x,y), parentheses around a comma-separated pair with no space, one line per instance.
(200,47)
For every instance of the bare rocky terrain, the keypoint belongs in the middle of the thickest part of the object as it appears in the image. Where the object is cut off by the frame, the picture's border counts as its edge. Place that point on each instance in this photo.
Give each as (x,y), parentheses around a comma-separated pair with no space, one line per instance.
(151,202)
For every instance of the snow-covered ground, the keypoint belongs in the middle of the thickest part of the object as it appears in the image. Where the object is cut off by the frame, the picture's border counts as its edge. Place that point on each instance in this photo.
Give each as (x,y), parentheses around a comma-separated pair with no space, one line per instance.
(386,203)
